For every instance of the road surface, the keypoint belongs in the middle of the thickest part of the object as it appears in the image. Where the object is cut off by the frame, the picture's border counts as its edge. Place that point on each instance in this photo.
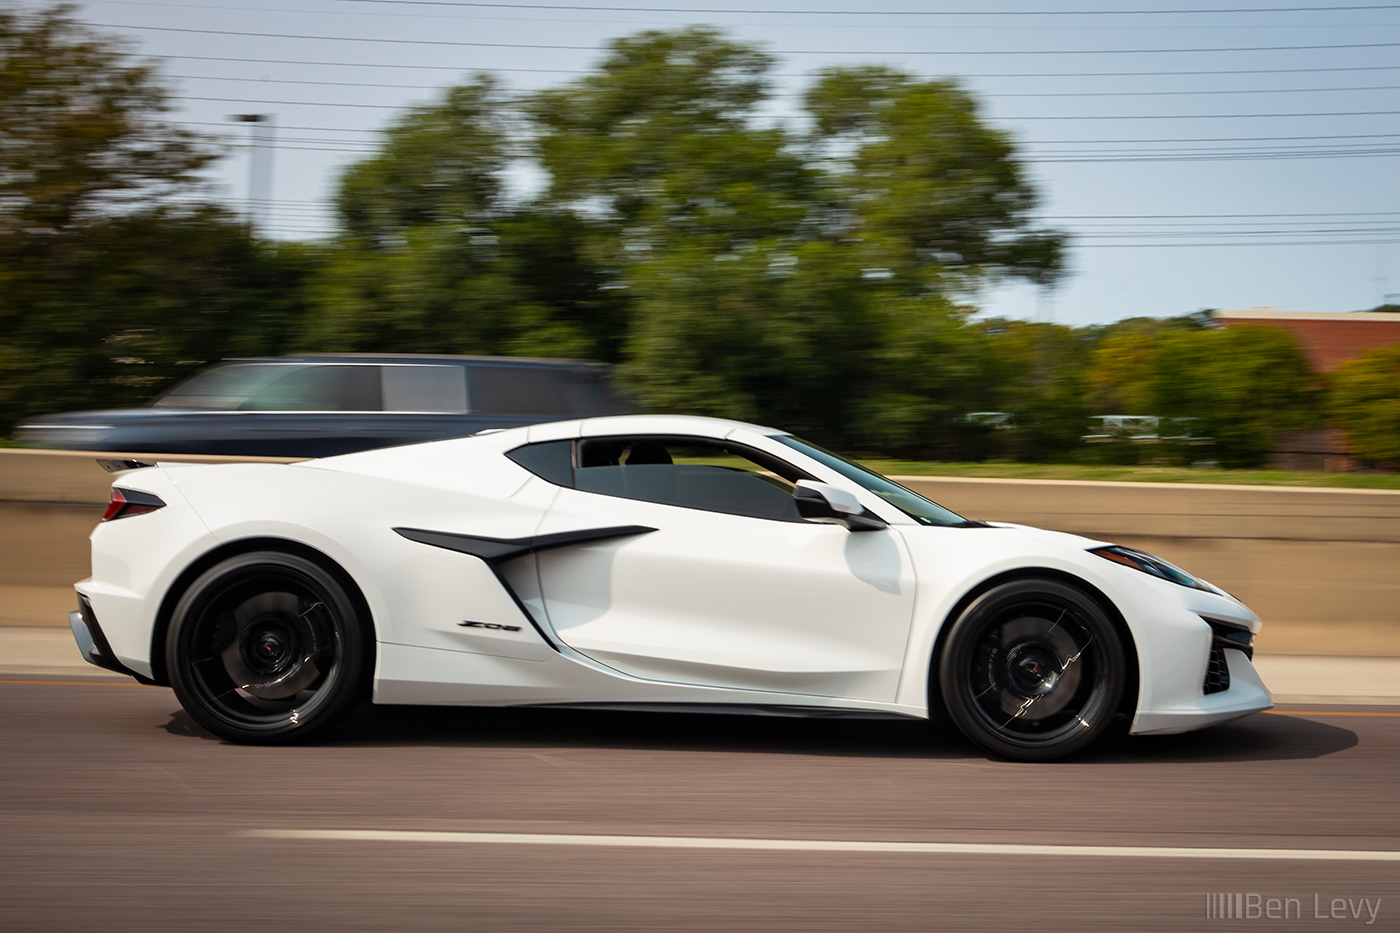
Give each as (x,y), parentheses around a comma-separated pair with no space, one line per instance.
(118,813)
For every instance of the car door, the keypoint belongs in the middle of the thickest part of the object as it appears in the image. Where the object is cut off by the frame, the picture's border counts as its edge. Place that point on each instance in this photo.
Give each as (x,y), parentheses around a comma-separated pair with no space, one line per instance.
(732,588)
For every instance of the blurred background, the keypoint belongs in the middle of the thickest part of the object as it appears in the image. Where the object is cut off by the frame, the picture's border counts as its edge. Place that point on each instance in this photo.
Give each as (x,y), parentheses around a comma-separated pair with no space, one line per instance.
(915,232)
(1002,250)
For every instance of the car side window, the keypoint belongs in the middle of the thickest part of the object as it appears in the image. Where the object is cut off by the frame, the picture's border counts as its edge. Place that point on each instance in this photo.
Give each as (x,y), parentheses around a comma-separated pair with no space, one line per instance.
(320,388)
(419,387)
(551,460)
(692,473)
(516,390)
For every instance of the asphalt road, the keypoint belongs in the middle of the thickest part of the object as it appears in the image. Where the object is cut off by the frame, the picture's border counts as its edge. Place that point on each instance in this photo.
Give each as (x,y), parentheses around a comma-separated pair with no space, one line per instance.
(117,813)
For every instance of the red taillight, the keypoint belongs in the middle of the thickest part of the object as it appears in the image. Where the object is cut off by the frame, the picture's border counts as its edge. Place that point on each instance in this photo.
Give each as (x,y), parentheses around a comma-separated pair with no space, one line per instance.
(127,502)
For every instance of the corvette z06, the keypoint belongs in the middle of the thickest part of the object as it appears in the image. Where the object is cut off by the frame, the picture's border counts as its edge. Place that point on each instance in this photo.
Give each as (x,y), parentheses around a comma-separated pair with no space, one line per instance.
(639,562)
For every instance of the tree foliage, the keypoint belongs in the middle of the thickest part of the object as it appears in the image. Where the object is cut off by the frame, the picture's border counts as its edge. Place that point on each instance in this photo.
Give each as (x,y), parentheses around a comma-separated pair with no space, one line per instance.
(916,171)
(109,287)
(440,163)
(435,259)
(124,305)
(81,127)
(815,274)
(1365,399)
(804,278)
(1242,385)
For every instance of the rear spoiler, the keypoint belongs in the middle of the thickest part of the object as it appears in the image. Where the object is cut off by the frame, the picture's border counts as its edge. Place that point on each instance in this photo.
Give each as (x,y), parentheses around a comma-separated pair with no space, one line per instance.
(121,465)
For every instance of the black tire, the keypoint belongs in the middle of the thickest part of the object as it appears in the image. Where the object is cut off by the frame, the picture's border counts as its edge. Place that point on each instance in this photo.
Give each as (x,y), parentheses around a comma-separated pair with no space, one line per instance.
(268,648)
(1032,670)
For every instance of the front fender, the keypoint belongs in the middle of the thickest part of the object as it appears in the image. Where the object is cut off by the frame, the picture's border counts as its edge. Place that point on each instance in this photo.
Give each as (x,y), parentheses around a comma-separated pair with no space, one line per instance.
(1170,638)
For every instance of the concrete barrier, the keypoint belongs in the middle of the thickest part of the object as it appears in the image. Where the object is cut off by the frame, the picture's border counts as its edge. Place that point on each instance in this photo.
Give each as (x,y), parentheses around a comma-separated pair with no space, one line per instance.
(1321,566)
(50,501)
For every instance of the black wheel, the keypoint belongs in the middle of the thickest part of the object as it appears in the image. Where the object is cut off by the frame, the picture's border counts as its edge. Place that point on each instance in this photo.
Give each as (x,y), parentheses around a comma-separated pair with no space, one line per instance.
(267,648)
(1032,670)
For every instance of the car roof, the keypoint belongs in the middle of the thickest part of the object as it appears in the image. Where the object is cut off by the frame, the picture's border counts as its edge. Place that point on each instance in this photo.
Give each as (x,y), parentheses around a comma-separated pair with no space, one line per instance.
(610,426)
(498,440)
(699,425)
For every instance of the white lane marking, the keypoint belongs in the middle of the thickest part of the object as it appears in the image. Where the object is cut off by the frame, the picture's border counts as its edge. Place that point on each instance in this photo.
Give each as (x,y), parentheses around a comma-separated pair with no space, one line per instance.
(821,845)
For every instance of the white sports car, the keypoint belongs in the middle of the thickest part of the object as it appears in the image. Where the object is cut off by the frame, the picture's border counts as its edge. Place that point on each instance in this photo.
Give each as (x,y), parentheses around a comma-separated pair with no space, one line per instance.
(639,562)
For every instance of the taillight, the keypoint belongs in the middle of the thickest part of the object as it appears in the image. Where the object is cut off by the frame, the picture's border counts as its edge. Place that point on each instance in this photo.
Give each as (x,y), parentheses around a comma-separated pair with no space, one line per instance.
(127,502)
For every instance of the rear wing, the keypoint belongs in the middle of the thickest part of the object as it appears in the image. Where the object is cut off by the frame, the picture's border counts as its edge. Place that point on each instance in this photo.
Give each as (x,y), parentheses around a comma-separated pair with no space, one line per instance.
(122,464)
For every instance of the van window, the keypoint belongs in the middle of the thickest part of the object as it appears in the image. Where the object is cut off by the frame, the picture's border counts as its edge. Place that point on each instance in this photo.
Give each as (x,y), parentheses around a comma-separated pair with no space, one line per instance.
(320,388)
(425,388)
(222,388)
(517,390)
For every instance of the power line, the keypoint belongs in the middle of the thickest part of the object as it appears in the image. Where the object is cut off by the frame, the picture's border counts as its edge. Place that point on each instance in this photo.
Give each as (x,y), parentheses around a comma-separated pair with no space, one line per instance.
(1212,116)
(1217,245)
(438,87)
(454,43)
(1027,142)
(285,126)
(1011,74)
(1224,156)
(1032,116)
(1186,216)
(1200,139)
(288,202)
(1058,159)
(825,13)
(1187,234)
(813,12)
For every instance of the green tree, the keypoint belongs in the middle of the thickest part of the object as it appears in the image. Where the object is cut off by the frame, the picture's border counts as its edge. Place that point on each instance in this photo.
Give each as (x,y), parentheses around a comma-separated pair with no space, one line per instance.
(777,333)
(82,128)
(110,286)
(914,172)
(733,265)
(807,280)
(1123,377)
(1365,399)
(440,163)
(660,144)
(435,258)
(139,301)
(1040,374)
(1246,383)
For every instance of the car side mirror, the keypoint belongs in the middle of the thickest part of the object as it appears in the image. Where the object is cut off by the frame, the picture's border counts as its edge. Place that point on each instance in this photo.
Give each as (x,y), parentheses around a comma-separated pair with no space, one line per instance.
(821,502)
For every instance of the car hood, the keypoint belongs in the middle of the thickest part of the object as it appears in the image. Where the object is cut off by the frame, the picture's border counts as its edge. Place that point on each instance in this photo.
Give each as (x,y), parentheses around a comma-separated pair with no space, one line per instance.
(1030,534)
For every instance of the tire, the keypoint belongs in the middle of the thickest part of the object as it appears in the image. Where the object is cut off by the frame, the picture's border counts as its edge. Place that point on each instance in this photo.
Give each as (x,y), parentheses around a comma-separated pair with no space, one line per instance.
(268,648)
(1032,670)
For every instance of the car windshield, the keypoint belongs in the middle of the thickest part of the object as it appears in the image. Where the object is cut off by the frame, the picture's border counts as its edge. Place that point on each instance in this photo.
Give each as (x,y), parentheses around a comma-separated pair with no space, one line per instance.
(924,511)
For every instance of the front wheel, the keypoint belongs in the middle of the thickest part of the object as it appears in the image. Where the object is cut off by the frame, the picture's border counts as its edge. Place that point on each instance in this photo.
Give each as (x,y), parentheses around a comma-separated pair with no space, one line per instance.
(1032,670)
(267,648)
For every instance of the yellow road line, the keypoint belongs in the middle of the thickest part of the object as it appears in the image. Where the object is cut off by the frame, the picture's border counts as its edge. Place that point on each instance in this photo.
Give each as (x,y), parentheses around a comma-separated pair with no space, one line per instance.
(1323,712)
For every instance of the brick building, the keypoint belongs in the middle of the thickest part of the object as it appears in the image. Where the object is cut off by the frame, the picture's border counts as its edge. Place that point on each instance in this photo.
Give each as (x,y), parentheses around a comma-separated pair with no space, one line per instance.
(1328,339)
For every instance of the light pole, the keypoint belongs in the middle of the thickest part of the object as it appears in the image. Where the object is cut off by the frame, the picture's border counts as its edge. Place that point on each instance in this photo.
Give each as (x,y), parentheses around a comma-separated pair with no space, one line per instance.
(257,142)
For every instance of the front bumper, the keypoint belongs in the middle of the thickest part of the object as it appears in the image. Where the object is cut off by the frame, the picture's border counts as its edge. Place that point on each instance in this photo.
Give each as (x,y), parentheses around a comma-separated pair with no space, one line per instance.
(1246,694)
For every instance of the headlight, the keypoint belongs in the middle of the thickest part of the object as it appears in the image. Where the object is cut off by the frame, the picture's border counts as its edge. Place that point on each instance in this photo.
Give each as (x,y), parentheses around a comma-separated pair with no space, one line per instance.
(1148,563)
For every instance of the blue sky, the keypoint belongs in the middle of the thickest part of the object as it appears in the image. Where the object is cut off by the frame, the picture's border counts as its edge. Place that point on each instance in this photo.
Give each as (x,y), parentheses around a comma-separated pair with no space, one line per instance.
(1262,172)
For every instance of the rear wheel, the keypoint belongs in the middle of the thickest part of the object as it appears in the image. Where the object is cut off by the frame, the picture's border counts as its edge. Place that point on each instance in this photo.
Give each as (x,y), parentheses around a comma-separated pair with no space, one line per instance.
(267,648)
(1032,670)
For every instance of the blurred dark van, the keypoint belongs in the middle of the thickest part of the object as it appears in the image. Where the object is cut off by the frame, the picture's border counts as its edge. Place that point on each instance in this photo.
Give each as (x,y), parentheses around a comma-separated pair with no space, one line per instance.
(322,405)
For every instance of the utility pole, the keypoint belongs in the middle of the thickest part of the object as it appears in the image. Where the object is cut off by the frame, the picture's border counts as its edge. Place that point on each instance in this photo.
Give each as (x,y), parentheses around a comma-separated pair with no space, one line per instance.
(259,166)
